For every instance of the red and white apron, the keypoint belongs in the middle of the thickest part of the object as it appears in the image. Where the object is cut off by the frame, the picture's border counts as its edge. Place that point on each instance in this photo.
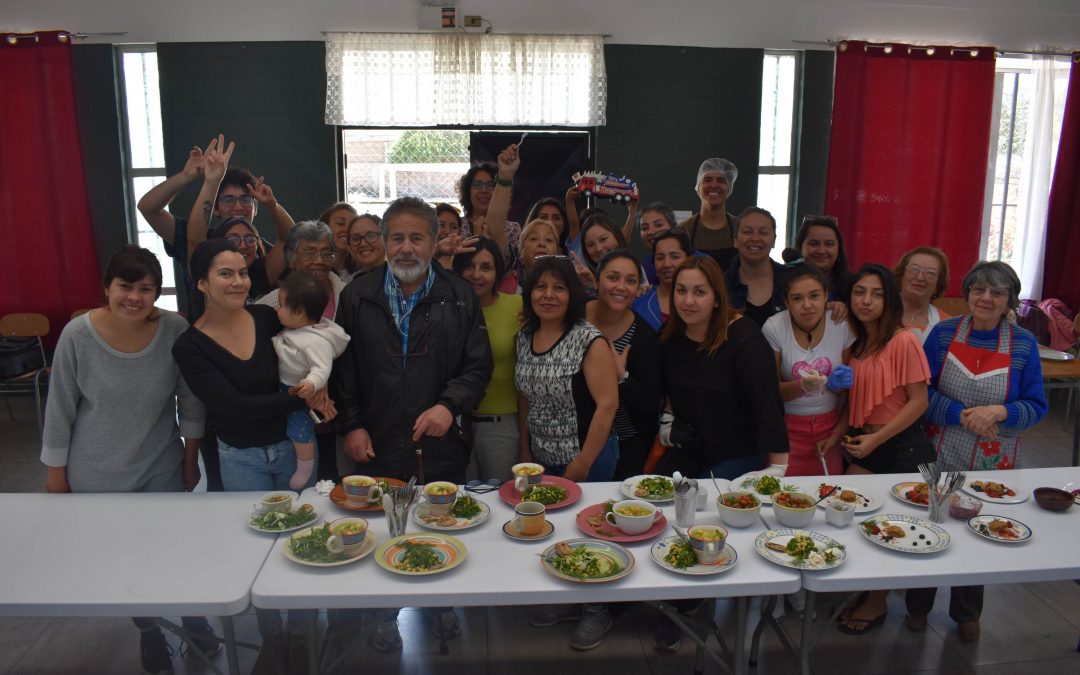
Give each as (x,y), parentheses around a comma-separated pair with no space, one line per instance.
(975,377)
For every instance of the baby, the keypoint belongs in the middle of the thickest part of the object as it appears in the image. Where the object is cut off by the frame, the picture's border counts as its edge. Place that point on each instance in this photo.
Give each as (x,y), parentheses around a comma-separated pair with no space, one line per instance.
(306,348)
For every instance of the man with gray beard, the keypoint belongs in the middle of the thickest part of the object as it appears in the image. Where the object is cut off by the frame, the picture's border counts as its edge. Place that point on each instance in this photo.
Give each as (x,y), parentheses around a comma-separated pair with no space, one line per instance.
(418,363)
(419,359)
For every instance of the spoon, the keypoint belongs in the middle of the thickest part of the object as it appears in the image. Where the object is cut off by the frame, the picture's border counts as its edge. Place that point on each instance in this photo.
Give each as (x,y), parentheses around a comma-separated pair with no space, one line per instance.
(682,535)
(715,484)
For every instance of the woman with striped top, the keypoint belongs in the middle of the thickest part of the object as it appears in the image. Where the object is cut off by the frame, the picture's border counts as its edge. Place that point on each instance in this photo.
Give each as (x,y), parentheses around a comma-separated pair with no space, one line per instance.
(637,358)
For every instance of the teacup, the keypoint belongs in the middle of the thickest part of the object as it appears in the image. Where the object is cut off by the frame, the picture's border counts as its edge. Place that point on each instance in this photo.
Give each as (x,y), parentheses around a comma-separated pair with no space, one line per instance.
(440,496)
(275,501)
(361,490)
(839,514)
(347,536)
(707,542)
(530,518)
(633,516)
(526,475)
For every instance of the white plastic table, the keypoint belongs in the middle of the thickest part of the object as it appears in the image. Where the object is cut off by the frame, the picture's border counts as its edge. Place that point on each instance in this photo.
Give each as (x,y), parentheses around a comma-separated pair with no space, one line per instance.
(502,571)
(1052,553)
(130,555)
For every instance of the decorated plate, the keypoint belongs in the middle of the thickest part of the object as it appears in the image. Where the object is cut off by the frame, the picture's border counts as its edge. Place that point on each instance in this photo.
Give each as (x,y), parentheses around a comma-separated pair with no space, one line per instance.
(661,548)
(989,527)
(370,541)
(614,560)
(913,535)
(422,515)
(513,532)
(509,494)
(337,495)
(750,483)
(900,491)
(313,517)
(449,550)
(769,541)
(631,487)
(601,529)
(1014,495)
(863,501)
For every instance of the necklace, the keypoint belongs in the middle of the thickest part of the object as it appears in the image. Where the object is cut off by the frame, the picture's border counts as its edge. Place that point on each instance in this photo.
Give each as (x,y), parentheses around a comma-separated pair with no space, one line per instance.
(809,333)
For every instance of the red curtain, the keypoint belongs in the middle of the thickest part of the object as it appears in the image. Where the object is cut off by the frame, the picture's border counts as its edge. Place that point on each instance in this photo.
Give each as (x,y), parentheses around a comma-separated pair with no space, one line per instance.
(1060,279)
(909,150)
(48,260)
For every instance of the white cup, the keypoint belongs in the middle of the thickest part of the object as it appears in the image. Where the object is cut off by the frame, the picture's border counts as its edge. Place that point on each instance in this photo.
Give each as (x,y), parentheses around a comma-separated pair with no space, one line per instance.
(275,501)
(647,515)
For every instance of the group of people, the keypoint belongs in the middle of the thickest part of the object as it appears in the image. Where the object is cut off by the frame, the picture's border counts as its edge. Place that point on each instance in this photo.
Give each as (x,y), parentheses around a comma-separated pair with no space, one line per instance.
(469,343)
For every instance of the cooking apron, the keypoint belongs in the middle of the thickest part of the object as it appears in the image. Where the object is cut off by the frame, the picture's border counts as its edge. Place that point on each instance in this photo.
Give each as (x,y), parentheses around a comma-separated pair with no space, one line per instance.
(975,377)
(723,256)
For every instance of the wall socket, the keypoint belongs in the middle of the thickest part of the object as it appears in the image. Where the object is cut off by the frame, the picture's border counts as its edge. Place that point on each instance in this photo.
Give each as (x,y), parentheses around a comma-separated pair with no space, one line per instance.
(472,21)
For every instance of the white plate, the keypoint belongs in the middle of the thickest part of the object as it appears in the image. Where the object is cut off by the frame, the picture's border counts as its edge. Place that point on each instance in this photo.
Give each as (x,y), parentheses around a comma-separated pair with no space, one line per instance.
(630,484)
(1020,496)
(1054,355)
(370,542)
(294,528)
(1070,487)
(864,503)
(980,525)
(660,549)
(783,536)
(422,516)
(745,483)
(920,536)
(899,489)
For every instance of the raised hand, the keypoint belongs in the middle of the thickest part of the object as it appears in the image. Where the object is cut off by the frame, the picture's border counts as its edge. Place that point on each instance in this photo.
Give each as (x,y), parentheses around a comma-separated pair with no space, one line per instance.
(509,161)
(216,158)
(262,193)
(193,167)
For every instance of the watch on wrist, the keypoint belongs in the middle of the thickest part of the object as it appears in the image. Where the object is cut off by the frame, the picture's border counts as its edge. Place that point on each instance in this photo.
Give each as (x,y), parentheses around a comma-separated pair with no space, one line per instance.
(508,182)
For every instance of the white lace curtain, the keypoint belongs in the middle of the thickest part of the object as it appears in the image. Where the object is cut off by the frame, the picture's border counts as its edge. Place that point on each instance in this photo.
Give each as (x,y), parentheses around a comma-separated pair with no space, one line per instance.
(426,79)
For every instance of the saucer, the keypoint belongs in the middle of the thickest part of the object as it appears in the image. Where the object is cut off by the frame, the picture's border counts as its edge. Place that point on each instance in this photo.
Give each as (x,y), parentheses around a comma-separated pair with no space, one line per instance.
(512,532)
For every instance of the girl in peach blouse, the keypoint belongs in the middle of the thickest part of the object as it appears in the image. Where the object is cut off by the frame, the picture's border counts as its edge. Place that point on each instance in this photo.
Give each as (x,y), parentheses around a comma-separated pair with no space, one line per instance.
(886,400)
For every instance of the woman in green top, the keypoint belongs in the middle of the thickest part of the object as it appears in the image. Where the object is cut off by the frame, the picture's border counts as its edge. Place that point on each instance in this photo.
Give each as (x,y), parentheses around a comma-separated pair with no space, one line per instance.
(495,421)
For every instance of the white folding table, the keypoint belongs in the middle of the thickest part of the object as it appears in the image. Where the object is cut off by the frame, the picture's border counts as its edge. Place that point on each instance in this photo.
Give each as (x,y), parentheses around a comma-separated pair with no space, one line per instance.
(502,571)
(147,555)
(1052,553)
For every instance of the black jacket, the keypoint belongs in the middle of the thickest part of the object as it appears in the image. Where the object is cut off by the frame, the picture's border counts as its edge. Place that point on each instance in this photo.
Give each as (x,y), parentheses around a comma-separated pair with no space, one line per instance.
(449,362)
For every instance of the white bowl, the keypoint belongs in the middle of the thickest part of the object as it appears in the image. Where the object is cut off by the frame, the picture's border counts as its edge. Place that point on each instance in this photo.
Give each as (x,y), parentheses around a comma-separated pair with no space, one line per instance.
(733,517)
(796,518)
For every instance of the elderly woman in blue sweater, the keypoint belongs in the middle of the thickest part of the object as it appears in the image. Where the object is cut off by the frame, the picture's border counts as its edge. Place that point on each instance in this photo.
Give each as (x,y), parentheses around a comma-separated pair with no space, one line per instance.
(986,387)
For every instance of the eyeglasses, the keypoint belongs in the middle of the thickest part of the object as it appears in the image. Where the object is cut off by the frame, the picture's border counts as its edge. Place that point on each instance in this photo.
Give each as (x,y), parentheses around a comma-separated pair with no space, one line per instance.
(995,293)
(915,270)
(249,239)
(564,258)
(369,237)
(479,487)
(310,254)
(230,200)
(483,185)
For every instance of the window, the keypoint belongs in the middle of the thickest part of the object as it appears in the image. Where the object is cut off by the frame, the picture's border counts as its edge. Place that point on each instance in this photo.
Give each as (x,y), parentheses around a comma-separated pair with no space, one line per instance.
(776,155)
(383,164)
(1024,139)
(431,79)
(145,151)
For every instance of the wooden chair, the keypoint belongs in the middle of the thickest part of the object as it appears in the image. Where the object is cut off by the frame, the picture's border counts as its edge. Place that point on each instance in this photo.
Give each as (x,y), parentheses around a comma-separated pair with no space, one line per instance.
(26,326)
(952,306)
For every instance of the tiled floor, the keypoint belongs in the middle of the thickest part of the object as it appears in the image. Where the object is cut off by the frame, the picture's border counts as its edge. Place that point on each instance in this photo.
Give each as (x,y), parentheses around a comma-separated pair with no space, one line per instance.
(1027,628)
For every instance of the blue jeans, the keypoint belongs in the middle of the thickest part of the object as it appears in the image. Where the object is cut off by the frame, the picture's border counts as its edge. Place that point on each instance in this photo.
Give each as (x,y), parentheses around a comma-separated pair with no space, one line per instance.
(603,467)
(299,426)
(733,468)
(257,469)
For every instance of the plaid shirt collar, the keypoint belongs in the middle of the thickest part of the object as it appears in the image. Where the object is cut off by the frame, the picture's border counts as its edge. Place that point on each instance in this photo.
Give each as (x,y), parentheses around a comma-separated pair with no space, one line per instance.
(402,305)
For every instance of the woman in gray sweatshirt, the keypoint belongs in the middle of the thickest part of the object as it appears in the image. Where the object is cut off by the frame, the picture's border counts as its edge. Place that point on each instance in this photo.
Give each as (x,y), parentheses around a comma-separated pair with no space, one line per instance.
(114,395)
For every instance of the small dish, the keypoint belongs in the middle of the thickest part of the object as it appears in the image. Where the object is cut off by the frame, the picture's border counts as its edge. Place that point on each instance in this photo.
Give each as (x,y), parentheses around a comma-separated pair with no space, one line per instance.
(793,517)
(863,501)
(1053,499)
(738,517)
(510,529)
